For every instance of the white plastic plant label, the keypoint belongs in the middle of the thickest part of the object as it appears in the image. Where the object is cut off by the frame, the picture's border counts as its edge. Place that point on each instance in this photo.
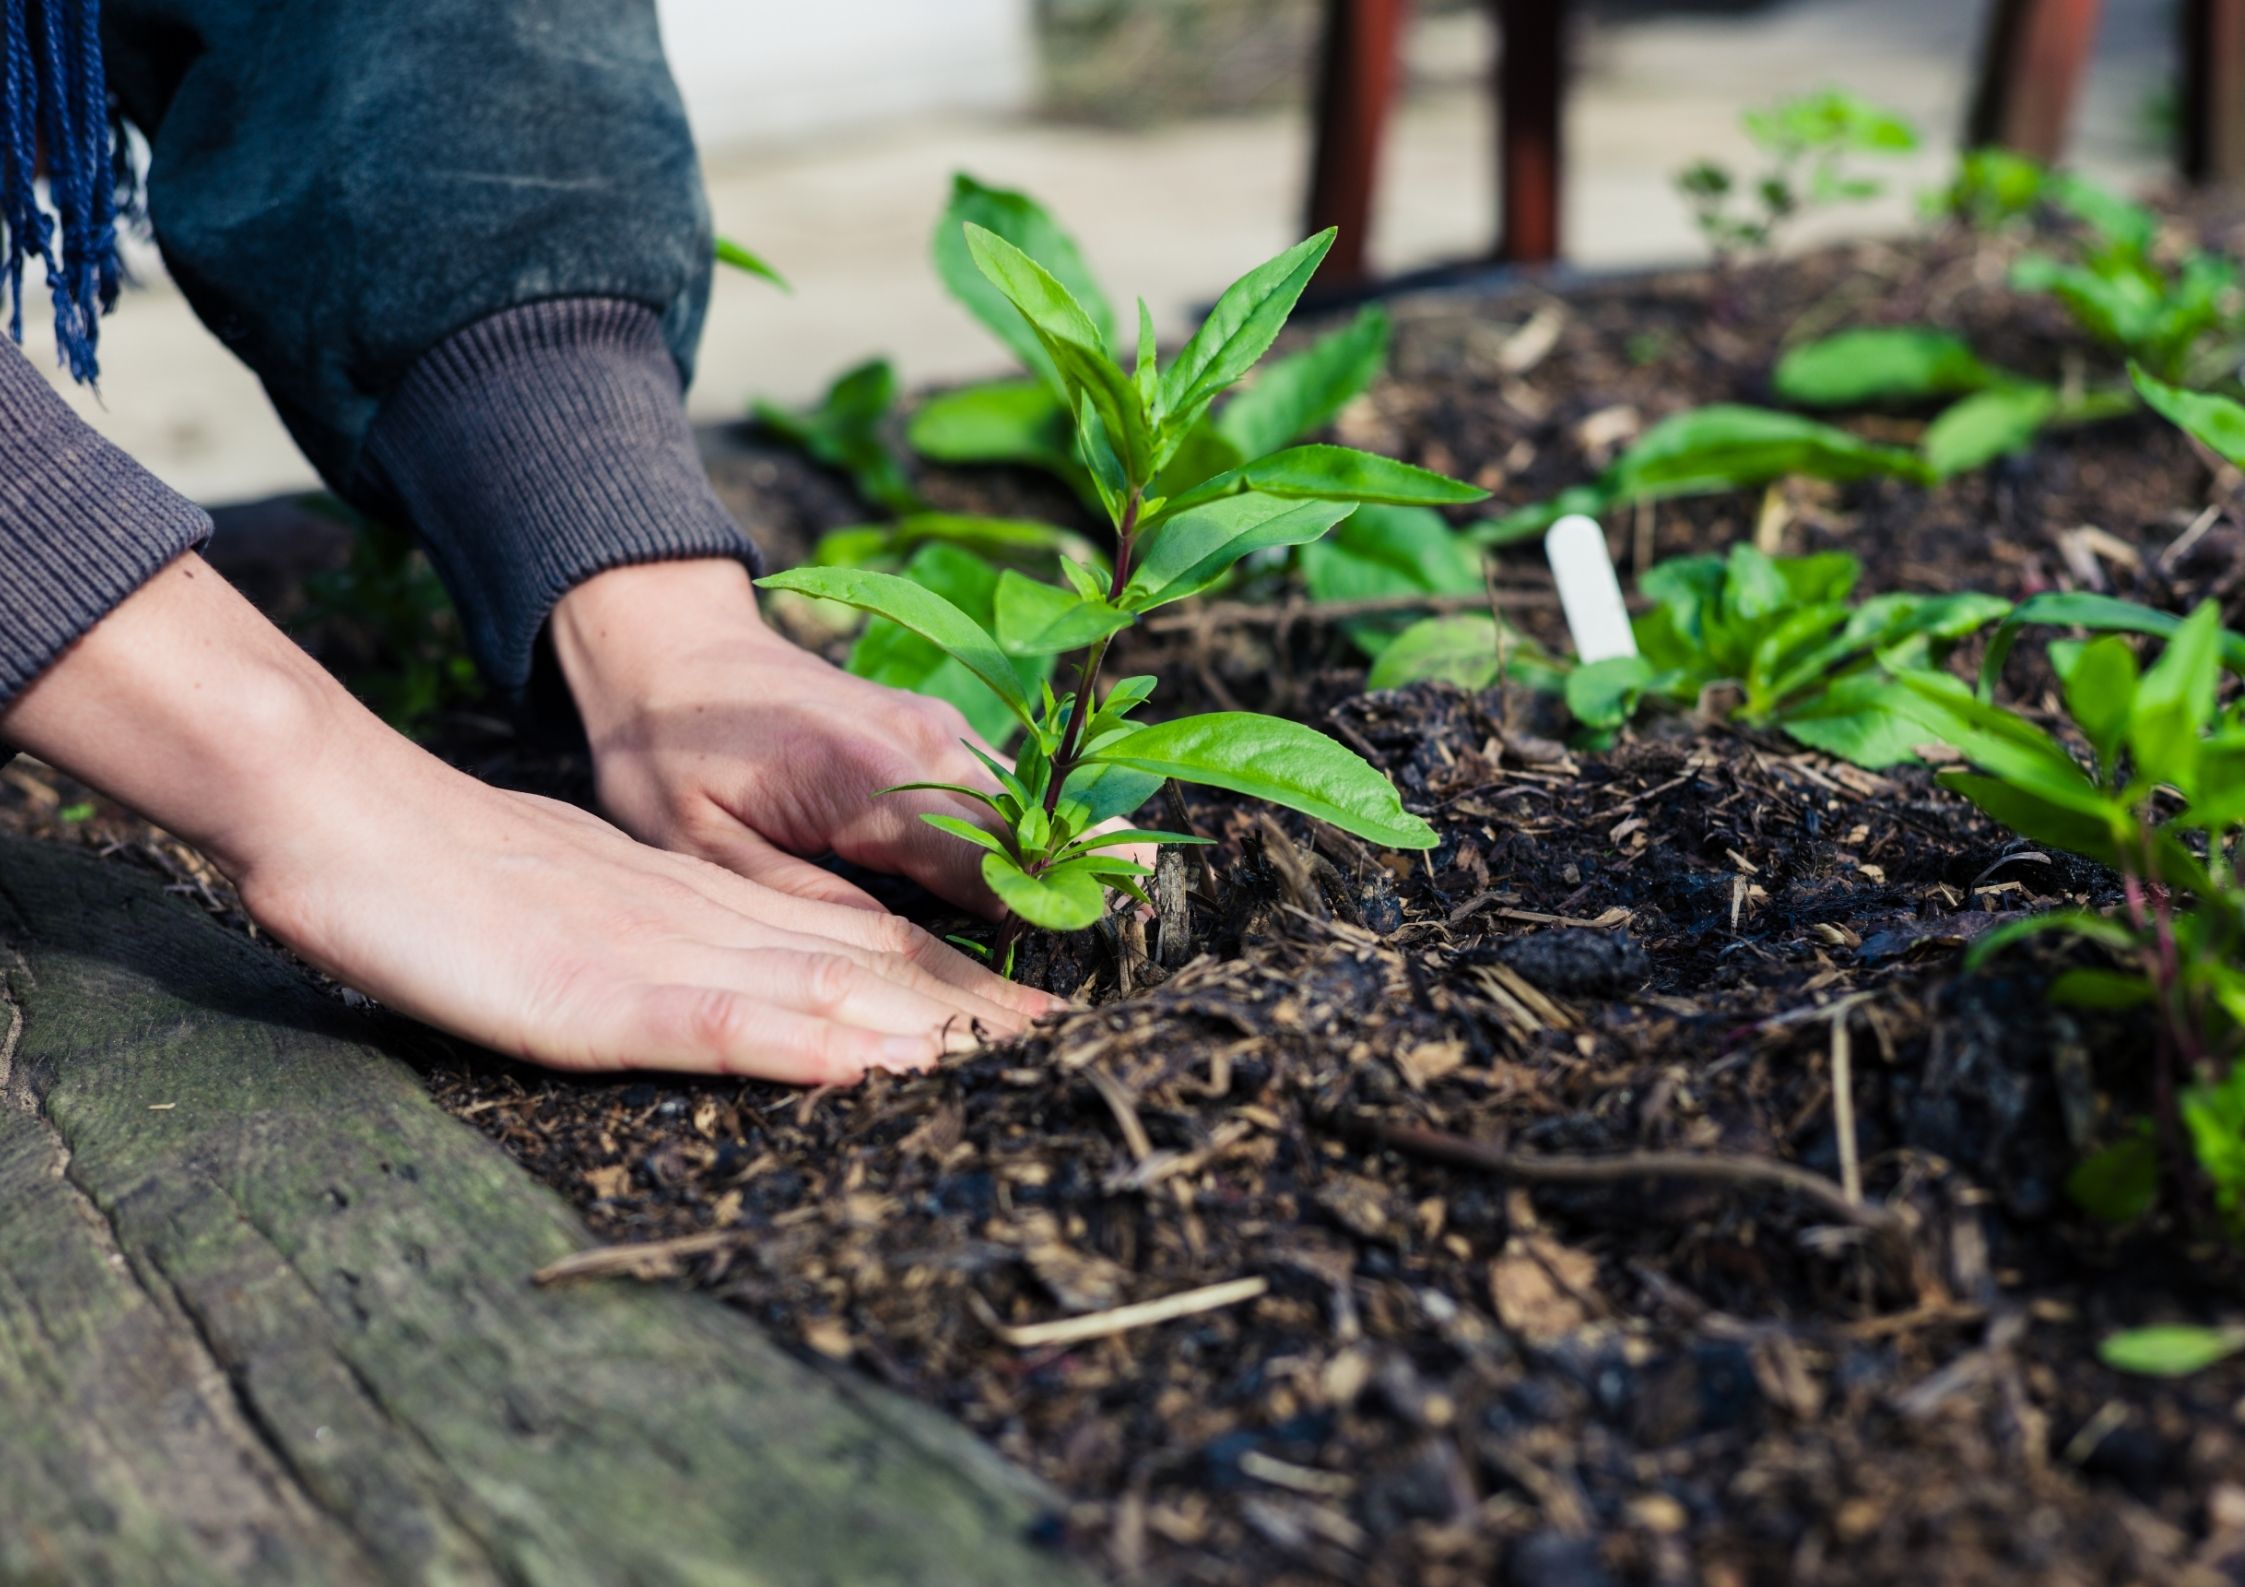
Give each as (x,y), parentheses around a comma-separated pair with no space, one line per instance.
(1589,592)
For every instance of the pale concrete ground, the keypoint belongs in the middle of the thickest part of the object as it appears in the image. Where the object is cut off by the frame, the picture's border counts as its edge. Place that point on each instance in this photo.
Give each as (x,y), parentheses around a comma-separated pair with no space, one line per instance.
(1173,213)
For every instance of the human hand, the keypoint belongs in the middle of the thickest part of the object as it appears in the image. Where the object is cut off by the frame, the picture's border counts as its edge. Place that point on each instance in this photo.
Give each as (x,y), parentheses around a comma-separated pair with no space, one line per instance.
(515,922)
(714,736)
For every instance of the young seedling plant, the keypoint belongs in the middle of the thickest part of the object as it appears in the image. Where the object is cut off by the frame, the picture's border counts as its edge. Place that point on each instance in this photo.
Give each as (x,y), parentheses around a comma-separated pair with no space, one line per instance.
(2162,803)
(1083,761)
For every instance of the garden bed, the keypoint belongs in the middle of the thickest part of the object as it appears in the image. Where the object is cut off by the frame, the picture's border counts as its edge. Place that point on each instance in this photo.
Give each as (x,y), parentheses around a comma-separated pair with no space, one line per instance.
(1407,1126)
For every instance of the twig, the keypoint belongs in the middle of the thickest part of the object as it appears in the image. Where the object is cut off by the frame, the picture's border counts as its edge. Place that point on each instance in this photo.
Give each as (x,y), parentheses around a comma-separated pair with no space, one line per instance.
(1843,1108)
(1106,1324)
(646,1259)
(1540,1168)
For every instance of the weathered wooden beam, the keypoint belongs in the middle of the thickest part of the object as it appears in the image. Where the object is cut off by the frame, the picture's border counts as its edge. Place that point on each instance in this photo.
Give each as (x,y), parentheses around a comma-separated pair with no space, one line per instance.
(1531,109)
(265,1317)
(2031,67)
(1361,59)
(2212,120)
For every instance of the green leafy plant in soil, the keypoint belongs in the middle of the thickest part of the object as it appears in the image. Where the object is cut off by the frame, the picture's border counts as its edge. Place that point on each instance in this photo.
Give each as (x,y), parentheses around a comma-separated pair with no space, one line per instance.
(1028,422)
(1782,635)
(2161,802)
(2176,316)
(1706,451)
(1811,147)
(1083,761)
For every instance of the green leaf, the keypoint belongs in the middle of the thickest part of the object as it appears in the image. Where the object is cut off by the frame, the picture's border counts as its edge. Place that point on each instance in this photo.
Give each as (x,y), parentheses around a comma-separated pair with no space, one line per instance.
(1892,364)
(2173,1351)
(1530,521)
(1022,221)
(2174,702)
(964,829)
(1303,391)
(732,253)
(2084,924)
(1075,345)
(2119,1183)
(923,612)
(1380,552)
(2119,306)
(2215,421)
(890,654)
(2115,220)
(845,431)
(1460,650)
(1063,899)
(1146,377)
(1826,120)
(887,653)
(1022,422)
(2102,613)
(1987,425)
(1038,619)
(1186,553)
(1858,719)
(1729,446)
(2085,987)
(1110,791)
(1240,328)
(1604,694)
(989,537)
(1332,473)
(1279,761)
(1132,835)
(964,792)
(2100,689)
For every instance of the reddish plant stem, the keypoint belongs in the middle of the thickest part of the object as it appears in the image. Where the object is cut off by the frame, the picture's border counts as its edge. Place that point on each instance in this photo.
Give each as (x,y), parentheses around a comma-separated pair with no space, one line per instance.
(1087,681)
(1079,713)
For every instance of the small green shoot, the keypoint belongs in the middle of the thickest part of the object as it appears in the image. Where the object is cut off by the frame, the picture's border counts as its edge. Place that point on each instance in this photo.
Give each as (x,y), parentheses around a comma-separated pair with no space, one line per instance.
(846,430)
(1810,145)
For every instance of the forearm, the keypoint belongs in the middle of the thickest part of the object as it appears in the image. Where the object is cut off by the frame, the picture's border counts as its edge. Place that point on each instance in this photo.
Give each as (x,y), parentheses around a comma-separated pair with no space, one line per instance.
(190,707)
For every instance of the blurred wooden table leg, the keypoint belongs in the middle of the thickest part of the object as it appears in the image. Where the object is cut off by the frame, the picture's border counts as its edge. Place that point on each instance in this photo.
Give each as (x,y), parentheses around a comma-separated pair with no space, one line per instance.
(1363,53)
(1531,105)
(2030,75)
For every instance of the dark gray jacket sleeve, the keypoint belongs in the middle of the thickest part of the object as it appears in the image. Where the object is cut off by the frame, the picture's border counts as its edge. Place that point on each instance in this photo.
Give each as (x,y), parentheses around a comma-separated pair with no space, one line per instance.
(81,525)
(465,247)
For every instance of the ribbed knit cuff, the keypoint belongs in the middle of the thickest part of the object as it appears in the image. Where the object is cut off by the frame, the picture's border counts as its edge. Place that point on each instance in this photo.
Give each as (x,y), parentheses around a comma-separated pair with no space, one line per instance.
(537,448)
(81,525)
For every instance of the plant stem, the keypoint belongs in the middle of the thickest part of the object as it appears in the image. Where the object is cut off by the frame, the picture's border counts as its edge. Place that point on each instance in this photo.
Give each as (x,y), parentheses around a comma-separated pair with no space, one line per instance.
(1087,681)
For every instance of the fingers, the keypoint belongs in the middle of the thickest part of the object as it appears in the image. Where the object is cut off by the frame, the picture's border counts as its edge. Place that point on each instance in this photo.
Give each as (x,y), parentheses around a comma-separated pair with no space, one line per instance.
(751,857)
(756,919)
(718,1030)
(884,991)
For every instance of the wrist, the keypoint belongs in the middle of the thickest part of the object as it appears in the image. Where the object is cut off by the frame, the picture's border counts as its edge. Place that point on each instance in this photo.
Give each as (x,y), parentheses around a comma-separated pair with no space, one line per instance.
(187,705)
(617,635)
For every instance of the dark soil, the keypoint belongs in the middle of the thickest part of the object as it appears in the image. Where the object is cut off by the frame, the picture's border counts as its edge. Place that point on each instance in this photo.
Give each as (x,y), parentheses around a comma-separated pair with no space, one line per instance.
(1411,1102)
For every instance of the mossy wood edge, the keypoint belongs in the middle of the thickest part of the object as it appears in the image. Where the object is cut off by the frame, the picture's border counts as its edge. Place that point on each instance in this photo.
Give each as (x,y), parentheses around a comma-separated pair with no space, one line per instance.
(265,1317)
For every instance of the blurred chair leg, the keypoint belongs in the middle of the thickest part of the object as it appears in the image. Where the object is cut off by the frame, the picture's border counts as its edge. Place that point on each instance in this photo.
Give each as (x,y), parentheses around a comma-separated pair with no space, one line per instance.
(2030,70)
(2213,92)
(1531,102)
(1363,54)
